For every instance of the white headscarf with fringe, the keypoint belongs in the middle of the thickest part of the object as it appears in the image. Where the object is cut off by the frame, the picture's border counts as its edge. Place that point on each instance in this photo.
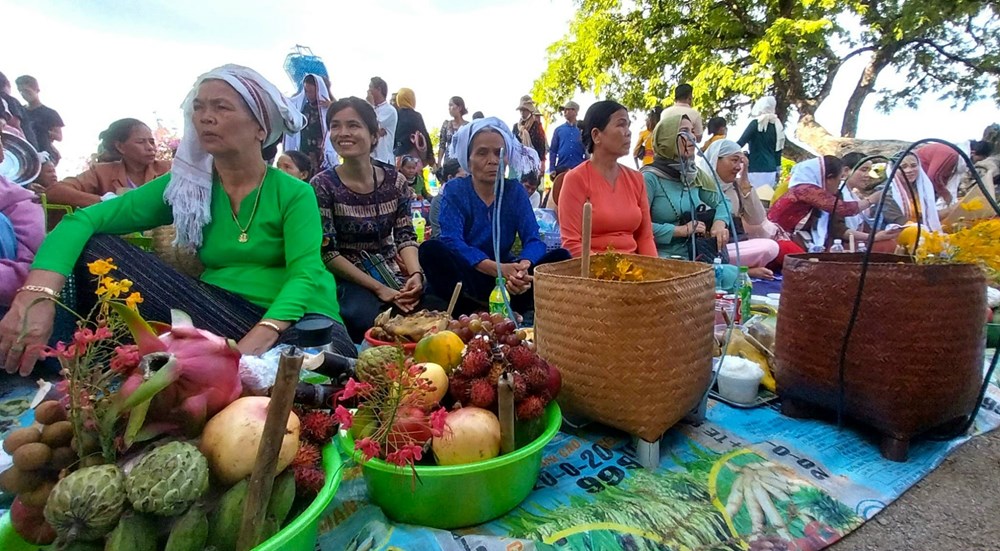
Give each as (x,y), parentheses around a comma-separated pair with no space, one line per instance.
(763,111)
(294,140)
(520,159)
(189,192)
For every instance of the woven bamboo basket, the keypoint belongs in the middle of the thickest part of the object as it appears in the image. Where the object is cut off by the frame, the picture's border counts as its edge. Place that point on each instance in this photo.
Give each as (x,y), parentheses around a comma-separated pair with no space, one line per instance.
(636,356)
(915,358)
(183,261)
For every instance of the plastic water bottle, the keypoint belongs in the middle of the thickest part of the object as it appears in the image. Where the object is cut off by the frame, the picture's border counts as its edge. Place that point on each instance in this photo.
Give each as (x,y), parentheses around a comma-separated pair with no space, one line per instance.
(816,249)
(862,247)
(717,266)
(497,303)
(837,247)
(419,226)
(744,292)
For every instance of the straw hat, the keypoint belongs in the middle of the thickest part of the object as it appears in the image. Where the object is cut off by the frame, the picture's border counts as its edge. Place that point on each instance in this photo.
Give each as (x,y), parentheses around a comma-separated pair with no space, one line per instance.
(529,104)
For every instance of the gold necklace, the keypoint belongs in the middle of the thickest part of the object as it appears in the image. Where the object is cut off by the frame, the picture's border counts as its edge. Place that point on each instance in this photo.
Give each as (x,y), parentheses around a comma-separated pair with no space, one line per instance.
(243,230)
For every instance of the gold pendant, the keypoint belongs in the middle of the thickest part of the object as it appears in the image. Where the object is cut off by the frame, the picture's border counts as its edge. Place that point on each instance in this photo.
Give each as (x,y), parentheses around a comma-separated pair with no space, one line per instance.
(243,237)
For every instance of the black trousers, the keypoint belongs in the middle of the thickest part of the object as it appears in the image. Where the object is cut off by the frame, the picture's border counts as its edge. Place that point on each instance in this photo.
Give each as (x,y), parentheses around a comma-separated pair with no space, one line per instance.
(445,268)
(359,307)
(163,288)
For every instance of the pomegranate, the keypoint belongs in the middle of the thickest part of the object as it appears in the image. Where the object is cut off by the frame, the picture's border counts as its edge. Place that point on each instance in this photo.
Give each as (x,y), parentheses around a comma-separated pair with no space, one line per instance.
(411,426)
(470,434)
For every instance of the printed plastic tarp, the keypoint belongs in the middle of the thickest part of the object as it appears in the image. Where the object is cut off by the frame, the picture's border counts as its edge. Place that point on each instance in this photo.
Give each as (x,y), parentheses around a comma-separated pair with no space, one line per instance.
(734,481)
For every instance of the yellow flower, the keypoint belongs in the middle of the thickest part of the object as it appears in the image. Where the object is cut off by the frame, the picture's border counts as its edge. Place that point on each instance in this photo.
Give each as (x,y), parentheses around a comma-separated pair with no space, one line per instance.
(133,300)
(124,285)
(101,267)
(975,204)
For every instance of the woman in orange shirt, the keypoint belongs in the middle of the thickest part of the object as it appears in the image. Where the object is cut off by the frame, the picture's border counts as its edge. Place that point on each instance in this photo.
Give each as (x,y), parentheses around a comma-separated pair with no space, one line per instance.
(617,193)
(126,160)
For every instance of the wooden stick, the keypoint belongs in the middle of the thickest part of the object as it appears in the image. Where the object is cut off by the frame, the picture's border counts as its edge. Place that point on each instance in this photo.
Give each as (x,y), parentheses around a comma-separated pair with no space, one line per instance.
(454,298)
(262,478)
(505,401)
(585,250)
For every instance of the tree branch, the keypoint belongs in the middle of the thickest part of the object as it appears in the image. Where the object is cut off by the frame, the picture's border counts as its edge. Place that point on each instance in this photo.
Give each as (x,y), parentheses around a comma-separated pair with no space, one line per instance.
(971,64)
(856,52)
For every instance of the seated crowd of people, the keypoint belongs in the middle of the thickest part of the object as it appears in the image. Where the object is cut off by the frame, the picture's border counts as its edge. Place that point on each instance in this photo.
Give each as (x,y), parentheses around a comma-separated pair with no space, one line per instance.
(328,231)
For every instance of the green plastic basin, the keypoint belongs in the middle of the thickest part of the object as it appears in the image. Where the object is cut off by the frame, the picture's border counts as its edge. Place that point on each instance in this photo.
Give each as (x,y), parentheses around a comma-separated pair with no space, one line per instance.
(300,534)
(461,495)
(992,335)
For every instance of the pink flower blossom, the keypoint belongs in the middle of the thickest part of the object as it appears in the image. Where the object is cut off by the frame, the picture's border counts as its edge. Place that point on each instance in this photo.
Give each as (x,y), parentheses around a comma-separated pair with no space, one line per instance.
(343,417)
(354,388)
(369,448)
(126,359)
(407,455)
(438,418)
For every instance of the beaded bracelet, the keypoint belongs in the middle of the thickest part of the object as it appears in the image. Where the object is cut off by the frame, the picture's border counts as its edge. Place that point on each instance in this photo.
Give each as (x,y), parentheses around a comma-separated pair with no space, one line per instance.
(39,289)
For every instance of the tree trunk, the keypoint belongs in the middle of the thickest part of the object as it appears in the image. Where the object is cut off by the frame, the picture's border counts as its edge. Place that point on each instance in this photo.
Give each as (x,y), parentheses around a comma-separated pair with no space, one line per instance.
(866,85)
(819,138)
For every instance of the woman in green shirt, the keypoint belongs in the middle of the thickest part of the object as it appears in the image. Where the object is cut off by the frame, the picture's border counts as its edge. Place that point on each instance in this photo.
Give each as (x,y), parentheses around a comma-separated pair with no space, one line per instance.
(226,204)
(675,188)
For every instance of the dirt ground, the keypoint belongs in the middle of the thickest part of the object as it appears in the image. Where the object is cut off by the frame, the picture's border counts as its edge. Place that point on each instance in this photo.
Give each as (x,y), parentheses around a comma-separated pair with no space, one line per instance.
(953,509)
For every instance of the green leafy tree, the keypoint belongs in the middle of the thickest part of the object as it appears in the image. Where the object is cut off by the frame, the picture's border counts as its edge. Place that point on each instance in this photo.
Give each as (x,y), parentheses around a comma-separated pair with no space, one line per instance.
(733,51)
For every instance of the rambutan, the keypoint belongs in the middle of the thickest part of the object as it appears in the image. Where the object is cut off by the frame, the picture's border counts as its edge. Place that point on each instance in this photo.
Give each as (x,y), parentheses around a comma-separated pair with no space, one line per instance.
(318,427)
(521,359)
(480,344)
(520,387)
(475,364)
(458,389)
(308,480)
(531,407)
(307,456)
(537,378)
(482,393)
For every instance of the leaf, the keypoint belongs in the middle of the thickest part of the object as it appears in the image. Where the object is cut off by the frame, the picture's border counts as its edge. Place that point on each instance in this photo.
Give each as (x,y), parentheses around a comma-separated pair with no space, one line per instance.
(143,334)
(733,52)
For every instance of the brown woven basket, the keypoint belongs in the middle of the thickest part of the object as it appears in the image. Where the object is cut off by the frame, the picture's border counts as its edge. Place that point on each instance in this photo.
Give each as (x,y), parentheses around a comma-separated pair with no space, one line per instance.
(915,359)
(183,261)
(636,356)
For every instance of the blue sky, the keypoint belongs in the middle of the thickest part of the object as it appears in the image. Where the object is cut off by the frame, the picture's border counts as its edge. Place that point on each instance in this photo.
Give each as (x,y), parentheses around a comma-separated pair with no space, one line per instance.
(100,60)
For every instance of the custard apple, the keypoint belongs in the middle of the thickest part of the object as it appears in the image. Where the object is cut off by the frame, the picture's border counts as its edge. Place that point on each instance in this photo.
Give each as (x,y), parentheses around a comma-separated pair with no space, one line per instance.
(168,479)
(373,360)
(87,504)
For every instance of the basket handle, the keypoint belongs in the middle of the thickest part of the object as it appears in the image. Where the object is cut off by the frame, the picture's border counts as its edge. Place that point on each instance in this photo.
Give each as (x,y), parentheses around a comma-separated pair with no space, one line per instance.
(585,250)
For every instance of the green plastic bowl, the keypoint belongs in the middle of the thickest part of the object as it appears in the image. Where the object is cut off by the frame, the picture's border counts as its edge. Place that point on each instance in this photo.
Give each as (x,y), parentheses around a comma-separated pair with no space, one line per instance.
(300,534)
(992,335)
(460,495)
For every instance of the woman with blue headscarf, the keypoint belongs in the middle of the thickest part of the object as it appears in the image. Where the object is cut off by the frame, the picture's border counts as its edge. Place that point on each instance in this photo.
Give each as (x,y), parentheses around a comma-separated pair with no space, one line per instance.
(470,205)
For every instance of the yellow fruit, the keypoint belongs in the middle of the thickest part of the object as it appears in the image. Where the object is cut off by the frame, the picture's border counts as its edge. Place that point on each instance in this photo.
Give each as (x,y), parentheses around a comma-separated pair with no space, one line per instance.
(443,348)
(438,379)
(908,236)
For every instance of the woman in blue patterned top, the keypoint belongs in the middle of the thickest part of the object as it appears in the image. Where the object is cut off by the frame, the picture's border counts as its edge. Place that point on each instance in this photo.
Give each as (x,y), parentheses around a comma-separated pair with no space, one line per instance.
(464,251)
(365,208)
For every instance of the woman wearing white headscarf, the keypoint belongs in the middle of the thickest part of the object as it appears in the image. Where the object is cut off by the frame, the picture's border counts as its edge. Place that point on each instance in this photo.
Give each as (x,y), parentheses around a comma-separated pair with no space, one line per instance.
(804,211)
(765,138)
(756,234)
(313,102)
(227,205)
(903,210)
(465,251)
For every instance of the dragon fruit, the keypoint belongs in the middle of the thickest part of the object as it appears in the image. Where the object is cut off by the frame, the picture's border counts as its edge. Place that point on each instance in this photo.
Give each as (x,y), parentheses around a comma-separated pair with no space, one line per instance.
(185,377)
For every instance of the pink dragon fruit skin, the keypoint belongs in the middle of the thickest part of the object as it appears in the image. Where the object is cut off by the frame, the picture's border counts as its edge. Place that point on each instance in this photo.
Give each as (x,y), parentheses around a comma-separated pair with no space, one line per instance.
(187,376)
